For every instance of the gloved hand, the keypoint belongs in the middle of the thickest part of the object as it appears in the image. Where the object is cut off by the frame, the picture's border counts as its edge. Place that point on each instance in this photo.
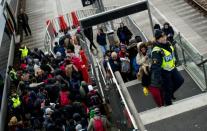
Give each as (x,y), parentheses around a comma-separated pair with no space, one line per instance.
(145,91)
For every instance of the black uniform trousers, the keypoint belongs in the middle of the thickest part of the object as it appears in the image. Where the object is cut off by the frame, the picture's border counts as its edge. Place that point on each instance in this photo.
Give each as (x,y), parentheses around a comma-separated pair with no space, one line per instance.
(27,29)
(172,80)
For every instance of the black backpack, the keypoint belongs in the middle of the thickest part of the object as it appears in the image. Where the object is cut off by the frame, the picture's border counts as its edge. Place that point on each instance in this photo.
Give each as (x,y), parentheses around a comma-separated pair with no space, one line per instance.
(94,100)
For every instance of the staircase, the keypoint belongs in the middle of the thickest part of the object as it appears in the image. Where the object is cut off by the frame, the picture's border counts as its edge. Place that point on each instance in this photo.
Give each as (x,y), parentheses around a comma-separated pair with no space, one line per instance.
(38,12)
(191,16)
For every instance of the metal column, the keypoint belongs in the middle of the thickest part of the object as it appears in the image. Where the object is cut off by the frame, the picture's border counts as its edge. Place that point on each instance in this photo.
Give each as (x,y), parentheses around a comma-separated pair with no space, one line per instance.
(150,17)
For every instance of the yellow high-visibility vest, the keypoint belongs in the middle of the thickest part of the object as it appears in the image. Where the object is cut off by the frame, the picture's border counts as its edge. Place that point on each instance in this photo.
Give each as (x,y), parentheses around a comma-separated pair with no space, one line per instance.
(16,102)
(24,52)
(14,74)
(168,61)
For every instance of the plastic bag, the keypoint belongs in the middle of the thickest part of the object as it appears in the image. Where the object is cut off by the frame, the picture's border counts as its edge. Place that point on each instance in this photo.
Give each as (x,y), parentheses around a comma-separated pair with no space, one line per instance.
(145,91)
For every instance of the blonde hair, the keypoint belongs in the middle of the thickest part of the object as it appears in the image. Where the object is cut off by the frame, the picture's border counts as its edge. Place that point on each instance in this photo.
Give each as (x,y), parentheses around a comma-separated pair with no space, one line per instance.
(66,42)
(113,54)
(69,70)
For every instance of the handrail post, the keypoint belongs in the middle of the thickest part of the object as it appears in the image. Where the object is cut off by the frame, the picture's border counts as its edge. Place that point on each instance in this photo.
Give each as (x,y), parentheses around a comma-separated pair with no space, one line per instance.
(150,17)
(183,52)
(204,71)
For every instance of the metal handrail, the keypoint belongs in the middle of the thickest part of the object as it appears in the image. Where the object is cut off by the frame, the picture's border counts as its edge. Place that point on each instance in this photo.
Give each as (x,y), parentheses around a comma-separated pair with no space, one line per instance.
(144,38)
(202,63)
(181,46)
(122,97)
(199,4)
(99,68)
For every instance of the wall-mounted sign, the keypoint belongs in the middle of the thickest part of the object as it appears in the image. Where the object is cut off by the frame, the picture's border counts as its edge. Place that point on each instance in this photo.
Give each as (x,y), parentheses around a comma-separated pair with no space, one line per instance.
(2,23)
(87,2)
(10,18)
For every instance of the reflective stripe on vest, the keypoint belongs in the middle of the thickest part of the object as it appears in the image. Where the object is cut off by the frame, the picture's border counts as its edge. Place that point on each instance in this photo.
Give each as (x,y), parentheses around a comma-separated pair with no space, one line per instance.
(24,52)
(16,102)
(14,74)
(168,61)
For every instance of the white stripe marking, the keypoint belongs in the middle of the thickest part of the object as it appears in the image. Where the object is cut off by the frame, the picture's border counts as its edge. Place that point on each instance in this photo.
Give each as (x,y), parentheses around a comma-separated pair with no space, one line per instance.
(179,107)
(131,83)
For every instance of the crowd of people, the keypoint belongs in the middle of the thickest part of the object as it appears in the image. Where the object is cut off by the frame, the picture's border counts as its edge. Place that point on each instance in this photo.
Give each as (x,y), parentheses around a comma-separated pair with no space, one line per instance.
(152,62)
(55,93)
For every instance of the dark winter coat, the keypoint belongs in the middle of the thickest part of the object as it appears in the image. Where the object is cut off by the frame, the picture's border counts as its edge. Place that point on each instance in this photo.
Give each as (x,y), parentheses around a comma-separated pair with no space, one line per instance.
(125,31)
(101,39)
(115,64)
(156,70)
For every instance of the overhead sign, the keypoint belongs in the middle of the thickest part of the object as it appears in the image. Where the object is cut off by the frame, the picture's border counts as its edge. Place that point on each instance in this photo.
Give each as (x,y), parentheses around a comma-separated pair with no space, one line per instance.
(87,2)
(114,14)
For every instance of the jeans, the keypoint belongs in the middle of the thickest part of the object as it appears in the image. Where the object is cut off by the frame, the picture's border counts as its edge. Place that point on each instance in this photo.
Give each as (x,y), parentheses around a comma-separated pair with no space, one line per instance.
(103,49)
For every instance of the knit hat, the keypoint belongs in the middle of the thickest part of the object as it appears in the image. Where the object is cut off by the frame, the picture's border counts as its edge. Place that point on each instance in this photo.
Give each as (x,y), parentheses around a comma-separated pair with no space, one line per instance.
(58,54)
(158,34)
(78,127)
(97,111)
(48,111)
(90,87)
(13,121)
(78,29)
(122,46)
(36,61)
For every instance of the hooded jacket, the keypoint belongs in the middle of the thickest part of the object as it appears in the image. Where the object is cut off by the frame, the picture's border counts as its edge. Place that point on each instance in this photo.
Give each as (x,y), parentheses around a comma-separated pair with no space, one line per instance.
(141,59)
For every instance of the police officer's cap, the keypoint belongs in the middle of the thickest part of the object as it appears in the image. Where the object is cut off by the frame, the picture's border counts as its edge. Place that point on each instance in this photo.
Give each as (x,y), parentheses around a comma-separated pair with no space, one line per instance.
(158,34)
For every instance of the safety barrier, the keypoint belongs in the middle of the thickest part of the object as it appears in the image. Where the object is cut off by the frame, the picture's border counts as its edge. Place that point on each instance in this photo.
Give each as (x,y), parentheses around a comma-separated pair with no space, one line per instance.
(190,61)
(3,111)
(49,38)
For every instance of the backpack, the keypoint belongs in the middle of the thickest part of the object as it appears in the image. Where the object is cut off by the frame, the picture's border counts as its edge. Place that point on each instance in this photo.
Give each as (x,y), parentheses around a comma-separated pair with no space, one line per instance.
(94,99)
(82,92)
(75,85)
(125,66)
(98,124)
(64,100)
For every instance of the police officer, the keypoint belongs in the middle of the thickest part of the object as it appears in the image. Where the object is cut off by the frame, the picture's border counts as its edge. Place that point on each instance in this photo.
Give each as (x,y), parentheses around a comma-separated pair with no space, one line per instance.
(13,75)
(164,75)
(15,101)
(24,52)
(23,22)
(16,105)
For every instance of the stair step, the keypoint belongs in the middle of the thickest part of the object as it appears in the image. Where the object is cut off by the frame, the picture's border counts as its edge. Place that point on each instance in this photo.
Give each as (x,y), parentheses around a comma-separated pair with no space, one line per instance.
(177,108)
(183,9)
(175,2)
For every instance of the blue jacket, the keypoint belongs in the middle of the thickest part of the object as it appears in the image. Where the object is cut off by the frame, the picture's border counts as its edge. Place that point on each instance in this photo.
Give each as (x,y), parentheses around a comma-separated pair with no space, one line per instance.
(115,64)
(101,39)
